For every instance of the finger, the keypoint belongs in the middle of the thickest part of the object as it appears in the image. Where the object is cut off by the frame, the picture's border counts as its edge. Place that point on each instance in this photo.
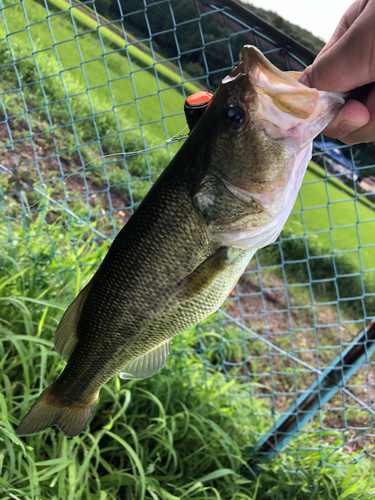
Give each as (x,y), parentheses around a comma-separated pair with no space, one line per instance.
(367,132)
(364,134)
(336,73)
(349,60)
(352,117)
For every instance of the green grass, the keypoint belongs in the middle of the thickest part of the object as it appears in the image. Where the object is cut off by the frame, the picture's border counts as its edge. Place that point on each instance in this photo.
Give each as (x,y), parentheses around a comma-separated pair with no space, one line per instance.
(142,56)
(117,84)
(57,71)
(184,433)
(329,238)
(344,224)
(61,111)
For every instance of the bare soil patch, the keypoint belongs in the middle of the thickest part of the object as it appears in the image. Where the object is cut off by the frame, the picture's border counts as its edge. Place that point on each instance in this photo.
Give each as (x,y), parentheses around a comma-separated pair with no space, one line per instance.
(290,318)
(40,161)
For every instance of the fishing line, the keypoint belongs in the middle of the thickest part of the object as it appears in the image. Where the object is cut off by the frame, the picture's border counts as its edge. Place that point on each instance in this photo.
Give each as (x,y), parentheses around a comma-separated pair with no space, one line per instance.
(180,136)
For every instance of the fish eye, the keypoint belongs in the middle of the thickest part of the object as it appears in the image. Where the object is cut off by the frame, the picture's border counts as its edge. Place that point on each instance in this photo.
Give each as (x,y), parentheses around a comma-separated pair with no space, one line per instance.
(236,117)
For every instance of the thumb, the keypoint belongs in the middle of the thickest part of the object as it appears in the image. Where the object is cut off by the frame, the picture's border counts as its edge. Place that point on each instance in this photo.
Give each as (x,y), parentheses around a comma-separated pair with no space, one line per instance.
(348,60)
(343,67)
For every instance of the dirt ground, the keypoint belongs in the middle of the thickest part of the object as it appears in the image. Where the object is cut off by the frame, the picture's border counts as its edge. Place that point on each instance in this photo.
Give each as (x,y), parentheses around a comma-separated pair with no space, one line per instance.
(61,172)
(315,334)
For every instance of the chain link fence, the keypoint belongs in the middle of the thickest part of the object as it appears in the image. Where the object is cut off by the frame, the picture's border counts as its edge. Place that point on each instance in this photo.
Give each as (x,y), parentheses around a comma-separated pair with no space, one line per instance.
(91,112)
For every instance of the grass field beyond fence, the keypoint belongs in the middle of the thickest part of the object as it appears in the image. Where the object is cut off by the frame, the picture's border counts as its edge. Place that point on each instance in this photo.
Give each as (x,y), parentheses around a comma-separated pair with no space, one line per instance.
(114,82)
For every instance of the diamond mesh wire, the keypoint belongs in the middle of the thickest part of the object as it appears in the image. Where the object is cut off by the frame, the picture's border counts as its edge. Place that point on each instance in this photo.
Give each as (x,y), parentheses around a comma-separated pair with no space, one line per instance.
(76,89)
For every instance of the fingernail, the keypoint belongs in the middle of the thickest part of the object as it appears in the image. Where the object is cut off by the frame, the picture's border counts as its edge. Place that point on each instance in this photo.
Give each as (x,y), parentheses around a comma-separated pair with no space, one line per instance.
(304,79)
(345,127)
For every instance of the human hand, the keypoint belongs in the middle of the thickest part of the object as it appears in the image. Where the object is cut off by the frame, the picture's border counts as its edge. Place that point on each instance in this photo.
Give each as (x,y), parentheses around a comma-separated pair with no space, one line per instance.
(347,63)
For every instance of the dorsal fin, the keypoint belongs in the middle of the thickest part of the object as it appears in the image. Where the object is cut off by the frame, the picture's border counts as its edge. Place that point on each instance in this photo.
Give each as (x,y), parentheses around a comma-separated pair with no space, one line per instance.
(66,333)
(148,364)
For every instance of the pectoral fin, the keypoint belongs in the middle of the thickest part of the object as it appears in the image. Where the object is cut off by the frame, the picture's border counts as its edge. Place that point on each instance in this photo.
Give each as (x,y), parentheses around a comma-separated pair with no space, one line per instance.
(203,275)
(147,365)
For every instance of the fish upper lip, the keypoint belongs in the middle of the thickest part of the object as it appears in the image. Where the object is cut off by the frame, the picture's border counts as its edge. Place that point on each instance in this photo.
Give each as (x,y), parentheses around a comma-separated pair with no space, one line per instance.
(252,59)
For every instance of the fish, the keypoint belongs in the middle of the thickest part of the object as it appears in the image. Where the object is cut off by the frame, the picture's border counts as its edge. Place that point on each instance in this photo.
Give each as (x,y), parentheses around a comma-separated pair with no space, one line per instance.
(227,192)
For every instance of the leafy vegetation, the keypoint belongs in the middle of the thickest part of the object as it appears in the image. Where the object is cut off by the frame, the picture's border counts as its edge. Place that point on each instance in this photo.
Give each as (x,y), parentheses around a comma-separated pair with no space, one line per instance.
(184,433)
(160,21)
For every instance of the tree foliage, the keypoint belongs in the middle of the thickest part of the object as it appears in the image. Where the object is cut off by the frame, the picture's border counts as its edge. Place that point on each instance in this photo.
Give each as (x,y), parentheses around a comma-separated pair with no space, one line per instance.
(299,34)
(158,21)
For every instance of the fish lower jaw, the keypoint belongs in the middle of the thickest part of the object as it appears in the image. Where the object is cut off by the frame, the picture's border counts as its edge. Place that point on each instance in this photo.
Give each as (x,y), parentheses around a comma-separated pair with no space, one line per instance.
(249,239)
(265,193)
(275,201)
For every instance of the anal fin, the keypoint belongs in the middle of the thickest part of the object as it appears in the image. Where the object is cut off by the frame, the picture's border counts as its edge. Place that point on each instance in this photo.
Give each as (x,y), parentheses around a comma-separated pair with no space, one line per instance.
(148,364)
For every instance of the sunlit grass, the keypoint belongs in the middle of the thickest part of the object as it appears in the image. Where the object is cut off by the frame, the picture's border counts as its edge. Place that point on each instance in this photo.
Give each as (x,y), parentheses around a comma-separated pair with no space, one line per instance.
(99,68)
(344,223)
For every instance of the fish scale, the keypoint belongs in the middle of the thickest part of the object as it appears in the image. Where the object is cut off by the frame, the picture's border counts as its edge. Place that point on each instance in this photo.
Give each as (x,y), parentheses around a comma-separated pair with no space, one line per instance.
(226,193)
(149,315)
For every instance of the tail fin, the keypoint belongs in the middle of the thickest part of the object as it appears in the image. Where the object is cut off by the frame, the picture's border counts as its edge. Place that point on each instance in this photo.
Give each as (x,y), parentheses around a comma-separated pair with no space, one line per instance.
(48,411)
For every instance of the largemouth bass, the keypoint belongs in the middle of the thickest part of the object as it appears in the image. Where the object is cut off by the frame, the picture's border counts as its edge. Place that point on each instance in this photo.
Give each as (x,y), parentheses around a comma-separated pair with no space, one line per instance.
(226,193)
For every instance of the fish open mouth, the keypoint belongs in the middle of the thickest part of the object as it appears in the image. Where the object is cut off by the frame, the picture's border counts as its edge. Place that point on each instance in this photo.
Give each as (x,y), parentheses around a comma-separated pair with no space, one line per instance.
(284,116)
(285,104)
(287,94)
